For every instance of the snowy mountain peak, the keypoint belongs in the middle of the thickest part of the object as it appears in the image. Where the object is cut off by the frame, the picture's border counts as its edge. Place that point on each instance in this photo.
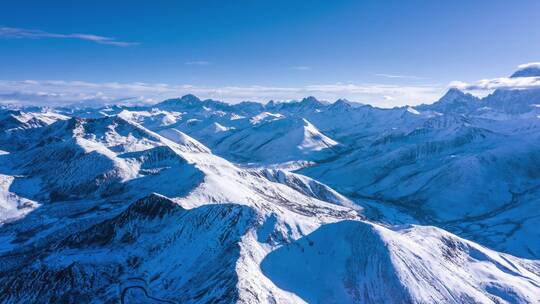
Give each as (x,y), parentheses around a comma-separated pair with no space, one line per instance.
(454,101)
(190,98)
(311,100)
(307,104)
(341,104)
(311,103)
(270,103)
(528,70)
(186,100)
(452,94)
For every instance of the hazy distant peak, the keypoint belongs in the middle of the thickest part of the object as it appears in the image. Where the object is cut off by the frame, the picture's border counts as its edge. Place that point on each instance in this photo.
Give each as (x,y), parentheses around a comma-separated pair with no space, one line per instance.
(528,70)
(311,100)
(190,98)
(454,94)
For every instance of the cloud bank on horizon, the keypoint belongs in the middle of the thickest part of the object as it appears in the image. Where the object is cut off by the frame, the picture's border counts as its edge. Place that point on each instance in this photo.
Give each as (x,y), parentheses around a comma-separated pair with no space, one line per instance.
(60,92)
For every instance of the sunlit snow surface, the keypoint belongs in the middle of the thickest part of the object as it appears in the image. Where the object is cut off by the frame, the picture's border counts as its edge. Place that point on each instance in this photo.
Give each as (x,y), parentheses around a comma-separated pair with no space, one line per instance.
(196,201)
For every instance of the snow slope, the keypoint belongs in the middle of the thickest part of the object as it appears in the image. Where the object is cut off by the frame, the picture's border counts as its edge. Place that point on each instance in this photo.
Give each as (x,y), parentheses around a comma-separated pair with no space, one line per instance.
(12,206)
(359,262)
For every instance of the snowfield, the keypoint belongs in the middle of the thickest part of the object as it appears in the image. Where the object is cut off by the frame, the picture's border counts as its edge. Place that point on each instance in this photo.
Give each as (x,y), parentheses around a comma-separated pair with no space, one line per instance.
(200,201)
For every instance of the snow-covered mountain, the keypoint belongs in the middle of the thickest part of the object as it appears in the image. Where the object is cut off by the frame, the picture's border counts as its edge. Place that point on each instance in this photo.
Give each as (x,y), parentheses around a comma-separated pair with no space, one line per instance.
(200,201)
(528,70)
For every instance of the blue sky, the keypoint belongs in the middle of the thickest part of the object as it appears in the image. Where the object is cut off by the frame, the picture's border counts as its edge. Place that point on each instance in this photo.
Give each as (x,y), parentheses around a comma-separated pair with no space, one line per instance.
(380,52)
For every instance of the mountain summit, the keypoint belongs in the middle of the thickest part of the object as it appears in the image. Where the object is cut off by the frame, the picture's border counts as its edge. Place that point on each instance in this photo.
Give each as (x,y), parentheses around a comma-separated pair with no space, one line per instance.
(528,70)
(455,101)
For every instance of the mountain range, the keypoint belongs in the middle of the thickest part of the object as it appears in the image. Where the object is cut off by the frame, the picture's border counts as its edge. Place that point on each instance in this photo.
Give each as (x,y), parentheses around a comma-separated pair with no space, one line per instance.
(201,201)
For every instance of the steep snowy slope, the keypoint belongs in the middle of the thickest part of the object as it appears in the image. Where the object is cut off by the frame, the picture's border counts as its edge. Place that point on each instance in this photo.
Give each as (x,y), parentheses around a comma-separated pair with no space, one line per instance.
(277,140)
(358,262)
(12,206)
(307,186)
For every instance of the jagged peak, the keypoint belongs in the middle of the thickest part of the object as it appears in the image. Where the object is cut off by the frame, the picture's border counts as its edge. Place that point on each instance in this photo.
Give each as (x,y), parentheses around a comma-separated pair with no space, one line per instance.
(341,103)
(454,100)
(187,99)
(454,94)
(310,99)
(270,104)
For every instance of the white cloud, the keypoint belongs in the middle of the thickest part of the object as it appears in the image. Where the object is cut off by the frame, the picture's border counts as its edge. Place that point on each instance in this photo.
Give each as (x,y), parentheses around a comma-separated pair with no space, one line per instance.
(516,83)
(529,65)
(198,62)
(59,92)
(20,33)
